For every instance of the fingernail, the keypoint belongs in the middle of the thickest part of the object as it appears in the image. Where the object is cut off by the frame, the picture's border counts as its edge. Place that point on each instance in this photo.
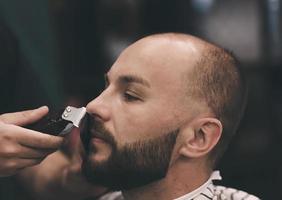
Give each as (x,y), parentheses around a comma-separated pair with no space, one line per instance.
(42,107)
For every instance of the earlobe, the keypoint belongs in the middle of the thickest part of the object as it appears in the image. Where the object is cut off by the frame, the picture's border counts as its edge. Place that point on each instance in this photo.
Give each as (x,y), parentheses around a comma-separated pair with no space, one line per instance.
(205,135)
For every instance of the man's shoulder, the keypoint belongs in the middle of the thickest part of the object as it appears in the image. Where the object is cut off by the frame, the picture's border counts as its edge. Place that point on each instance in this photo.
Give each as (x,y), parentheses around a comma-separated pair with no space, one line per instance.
(230,193)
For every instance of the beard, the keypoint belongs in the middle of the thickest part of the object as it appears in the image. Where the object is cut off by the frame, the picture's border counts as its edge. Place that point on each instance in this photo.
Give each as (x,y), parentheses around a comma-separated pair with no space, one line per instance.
(130,166)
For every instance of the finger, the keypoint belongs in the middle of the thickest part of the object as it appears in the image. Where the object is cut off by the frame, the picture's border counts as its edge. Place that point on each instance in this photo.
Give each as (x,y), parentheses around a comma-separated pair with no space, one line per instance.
(23,163)
(34,139)
(24,117)
(13,166)
(31,153)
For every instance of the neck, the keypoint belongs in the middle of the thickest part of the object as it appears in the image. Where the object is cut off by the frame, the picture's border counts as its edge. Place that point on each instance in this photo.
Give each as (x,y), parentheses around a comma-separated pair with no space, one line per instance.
(180,180)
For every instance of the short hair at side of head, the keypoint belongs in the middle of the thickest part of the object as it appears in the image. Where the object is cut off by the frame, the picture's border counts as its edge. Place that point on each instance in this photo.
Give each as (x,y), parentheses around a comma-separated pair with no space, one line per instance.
(217,79)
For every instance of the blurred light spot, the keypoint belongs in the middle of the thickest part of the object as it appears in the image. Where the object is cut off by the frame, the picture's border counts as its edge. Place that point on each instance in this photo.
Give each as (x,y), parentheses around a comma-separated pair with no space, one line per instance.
(202,6)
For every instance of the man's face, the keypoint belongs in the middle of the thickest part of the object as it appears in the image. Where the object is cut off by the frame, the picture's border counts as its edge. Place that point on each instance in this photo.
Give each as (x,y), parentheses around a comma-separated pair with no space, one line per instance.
(136,119)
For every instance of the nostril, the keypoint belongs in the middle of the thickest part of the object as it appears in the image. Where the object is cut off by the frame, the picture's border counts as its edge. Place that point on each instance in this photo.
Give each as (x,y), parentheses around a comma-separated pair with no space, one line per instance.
(95,117)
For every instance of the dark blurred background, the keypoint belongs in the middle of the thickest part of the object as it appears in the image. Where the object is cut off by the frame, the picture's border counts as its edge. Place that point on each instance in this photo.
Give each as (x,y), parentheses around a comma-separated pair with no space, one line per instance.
(55,52)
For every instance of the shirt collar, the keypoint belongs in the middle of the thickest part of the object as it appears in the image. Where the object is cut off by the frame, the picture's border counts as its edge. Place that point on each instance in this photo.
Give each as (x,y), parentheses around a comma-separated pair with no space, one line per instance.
(207,187)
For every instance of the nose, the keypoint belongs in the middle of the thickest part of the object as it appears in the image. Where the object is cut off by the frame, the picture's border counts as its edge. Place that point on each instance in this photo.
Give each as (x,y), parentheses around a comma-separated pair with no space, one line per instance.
(99,108)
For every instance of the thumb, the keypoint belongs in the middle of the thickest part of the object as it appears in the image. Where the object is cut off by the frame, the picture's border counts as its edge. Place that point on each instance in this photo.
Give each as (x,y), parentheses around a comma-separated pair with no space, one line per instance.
(24,117)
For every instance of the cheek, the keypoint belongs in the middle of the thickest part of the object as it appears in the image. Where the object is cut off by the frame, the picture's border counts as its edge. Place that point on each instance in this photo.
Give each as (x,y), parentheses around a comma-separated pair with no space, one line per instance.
(136,122)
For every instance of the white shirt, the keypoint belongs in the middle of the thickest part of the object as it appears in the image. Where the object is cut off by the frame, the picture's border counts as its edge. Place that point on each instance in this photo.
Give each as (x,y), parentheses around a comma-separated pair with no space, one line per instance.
(207,191)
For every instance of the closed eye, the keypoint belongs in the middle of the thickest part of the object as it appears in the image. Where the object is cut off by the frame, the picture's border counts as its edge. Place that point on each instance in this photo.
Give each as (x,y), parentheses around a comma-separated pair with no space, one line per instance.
(130,97)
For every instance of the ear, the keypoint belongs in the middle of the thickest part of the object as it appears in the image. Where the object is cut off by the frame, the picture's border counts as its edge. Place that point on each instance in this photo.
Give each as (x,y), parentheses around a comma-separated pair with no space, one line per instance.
(205,134)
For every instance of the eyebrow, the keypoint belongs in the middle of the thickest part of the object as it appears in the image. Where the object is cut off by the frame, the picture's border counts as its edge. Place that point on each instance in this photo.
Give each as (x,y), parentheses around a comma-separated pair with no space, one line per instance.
(127,79)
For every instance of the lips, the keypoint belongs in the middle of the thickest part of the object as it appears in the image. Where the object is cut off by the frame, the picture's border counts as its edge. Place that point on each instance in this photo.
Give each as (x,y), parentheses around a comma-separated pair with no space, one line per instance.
(96,130)
(95,134)
(92,130)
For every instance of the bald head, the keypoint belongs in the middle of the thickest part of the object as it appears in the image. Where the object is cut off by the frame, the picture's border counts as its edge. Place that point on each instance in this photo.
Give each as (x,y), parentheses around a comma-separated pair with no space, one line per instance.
(170,47)
(213,77)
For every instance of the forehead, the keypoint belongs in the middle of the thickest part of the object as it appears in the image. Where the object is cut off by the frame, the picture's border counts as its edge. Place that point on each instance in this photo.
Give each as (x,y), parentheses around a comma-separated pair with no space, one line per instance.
(158,61)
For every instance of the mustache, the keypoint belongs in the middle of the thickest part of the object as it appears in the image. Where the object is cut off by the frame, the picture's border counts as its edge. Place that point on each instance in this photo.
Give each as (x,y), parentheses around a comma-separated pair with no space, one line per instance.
(98,130)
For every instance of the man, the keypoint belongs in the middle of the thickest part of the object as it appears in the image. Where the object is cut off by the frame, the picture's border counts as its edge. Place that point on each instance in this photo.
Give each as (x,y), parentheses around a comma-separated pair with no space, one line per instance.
(171,104)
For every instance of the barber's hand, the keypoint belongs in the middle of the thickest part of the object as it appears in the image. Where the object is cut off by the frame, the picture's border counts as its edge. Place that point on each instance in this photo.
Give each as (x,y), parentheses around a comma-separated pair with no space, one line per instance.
(21,147)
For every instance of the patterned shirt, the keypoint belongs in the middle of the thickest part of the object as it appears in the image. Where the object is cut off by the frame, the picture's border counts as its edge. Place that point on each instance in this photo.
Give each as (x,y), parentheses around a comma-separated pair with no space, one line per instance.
(207,191)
